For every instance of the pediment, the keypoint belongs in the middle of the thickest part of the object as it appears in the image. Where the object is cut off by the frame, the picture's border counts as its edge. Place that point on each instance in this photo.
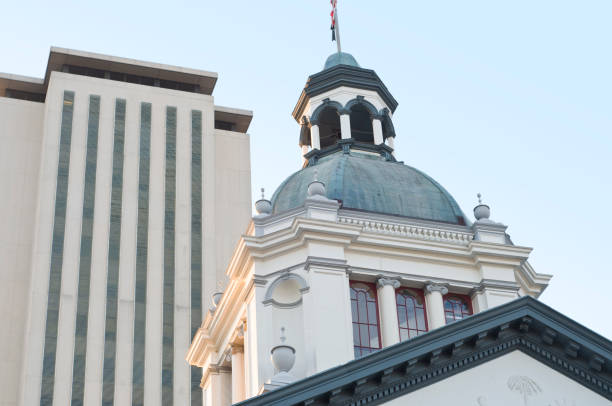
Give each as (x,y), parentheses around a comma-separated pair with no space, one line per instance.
(510,380)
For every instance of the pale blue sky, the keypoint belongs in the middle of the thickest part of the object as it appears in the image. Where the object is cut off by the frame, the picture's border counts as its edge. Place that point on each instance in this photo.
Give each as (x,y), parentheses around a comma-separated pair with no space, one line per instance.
(512,99)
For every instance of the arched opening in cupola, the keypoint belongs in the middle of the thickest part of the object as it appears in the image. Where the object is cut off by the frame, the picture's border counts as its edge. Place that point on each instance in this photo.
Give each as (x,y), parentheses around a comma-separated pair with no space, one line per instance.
(329,127)
(361,124)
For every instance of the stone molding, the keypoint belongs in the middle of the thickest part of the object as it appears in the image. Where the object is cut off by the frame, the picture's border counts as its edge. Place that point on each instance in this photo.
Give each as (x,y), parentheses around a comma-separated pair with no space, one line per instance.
(346,145)
(495,285)
(237,349)
(408,230)
(360,100)
(327,263)
(213,370)
(435,287)
(327,103)
(268,298)
(384,281)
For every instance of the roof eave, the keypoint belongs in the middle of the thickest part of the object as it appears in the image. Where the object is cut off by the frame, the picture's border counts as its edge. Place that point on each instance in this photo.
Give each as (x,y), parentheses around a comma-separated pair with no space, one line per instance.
(62,56)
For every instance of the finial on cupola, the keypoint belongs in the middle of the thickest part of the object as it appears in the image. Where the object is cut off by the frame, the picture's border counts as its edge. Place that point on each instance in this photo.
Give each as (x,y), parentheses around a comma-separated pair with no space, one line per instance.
(482,211)
(263,206)
(316,188)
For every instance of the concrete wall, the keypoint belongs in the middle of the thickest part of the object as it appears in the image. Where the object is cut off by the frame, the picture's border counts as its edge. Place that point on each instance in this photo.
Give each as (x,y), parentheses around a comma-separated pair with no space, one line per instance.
(232,198)
(20,144)
(491,384)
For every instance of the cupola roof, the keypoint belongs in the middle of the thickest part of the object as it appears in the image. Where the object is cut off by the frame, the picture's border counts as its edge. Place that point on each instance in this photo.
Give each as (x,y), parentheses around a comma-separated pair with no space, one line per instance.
(342,70)
(340,58)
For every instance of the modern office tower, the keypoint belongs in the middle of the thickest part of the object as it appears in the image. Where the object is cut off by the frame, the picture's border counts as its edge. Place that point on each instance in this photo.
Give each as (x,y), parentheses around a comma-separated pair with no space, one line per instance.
(124,191)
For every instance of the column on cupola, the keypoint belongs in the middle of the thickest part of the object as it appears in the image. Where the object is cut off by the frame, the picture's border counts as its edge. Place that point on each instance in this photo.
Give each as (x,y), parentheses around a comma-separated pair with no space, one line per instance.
(434,299)
(238,380)
(378,131)
(387,307)
(315,140)
(391,142)
(345,123)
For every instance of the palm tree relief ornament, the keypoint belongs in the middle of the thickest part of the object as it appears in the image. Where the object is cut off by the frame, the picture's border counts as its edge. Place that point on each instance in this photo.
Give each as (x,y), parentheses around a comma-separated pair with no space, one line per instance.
(524,386)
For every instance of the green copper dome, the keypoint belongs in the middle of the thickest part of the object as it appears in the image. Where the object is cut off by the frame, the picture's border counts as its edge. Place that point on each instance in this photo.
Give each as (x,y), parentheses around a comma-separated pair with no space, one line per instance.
(340,58)
(371,183)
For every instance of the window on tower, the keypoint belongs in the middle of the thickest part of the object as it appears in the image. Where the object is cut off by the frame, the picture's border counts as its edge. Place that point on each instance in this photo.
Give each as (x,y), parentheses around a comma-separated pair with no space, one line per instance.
(410,313)
(456,307)
(361,124)
(364,306)
(329,127)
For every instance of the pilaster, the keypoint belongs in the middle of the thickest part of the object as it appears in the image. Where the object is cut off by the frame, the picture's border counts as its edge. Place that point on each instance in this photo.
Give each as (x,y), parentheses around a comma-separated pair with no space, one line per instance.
(327,317)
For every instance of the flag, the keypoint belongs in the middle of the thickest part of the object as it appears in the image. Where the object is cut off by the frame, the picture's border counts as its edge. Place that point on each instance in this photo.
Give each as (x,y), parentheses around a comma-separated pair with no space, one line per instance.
(333,18)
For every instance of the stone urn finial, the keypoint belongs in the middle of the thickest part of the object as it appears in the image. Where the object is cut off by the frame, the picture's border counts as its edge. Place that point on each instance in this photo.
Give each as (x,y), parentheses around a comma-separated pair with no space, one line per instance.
(283,359)
(283,355)
(263,206)
(316,188)
(482,211)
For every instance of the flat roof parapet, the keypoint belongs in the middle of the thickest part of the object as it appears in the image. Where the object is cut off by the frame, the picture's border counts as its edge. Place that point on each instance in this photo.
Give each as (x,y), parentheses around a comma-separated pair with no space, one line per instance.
(229,118)
(203,82)
(21,87)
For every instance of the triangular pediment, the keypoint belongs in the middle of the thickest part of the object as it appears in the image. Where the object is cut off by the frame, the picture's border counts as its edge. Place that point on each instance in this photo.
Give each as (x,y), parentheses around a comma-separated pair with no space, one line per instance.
(512,379)
(524,329)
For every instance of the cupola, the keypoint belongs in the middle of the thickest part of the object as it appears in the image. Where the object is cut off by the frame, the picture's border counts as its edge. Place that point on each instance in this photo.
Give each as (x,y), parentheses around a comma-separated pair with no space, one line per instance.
(344,101)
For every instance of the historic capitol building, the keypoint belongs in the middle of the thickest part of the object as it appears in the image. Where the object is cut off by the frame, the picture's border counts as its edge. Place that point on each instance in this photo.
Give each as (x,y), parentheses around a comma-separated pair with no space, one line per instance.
(133,272)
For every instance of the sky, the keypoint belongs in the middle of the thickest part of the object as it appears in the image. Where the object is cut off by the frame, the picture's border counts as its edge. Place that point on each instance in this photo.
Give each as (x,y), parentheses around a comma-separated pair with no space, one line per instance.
(509,99)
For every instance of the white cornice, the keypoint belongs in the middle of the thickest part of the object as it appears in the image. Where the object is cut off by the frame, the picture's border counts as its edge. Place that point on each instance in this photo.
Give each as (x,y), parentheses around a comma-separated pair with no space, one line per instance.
(493,253)
(533,283)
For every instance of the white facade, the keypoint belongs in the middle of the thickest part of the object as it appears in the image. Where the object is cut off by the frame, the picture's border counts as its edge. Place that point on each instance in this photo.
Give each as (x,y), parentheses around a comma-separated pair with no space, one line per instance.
(21,140)
(94,127)
(293,271)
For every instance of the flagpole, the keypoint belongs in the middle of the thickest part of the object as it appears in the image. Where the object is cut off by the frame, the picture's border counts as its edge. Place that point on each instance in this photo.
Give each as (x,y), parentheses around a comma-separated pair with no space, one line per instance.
(337,28)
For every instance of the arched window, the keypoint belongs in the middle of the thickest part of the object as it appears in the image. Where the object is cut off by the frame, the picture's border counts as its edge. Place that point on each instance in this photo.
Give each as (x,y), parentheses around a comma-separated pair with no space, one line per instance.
(329,127)
(364,306)
(361,124)
(410,313)
(456,307)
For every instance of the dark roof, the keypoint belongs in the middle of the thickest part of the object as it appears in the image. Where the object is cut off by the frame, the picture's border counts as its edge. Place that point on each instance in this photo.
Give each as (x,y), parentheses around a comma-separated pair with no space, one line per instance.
(342,75)
(367,178)
(340,58)
(524,324)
